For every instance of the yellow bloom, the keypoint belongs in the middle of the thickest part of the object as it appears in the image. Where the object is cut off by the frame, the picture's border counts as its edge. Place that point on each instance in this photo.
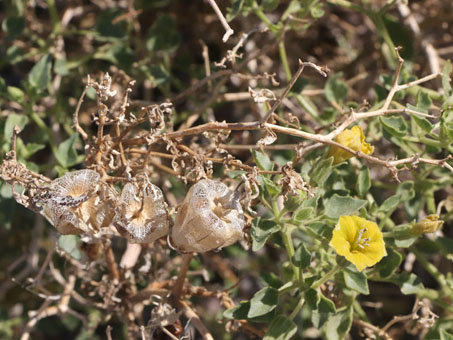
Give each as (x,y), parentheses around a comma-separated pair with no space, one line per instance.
(353,139)
(359,240)
(430,224)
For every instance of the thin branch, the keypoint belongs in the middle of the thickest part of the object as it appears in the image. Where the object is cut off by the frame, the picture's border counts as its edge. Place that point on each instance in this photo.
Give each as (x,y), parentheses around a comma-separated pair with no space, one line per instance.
(195,319)
(75,117)
(374,329)
(290,85)
(222,19)
(110,259)
(179,283)
(207,66)
(131,255)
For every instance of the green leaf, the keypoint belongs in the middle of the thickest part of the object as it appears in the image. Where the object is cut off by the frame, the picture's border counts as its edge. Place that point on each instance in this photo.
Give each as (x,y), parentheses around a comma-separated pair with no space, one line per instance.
(263,302)
(39,75)
(281,328)
(396,126)
(423,123)
(271,280)
(446,244)
(312,298)
(444,335)
(261,230)
(446,122)
(12,120)
(26,151)
(271,188)
(423,101)
(6,190)
(317,10)
(325,308)
(406,190)
(409,283)
(235,9)
(70,244)
(390,203)
(16,94)
(320,171)
(446,82)
(269,5)
(303,213)
(294,201)
(338,325)
(338,206)
(262,161)
(326,305)
(66,154)
(335,89)
(160,75)
(105,29)
(13,26)
(238,312)
(356,280)
(401,35)
(301,257)
(363,181)
(2,86)
(389,264)
(163,35)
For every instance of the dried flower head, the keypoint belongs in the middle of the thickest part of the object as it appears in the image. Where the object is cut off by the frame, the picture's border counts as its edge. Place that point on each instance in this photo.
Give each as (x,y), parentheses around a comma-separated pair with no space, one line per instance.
(141,215)
(359,240)
(430,224)
(210,217)
(353,139)
(79,203)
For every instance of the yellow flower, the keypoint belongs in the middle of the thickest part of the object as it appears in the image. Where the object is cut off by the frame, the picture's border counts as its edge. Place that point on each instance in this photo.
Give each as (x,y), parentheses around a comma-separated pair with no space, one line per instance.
(430,224)
(359,240)
(353,139)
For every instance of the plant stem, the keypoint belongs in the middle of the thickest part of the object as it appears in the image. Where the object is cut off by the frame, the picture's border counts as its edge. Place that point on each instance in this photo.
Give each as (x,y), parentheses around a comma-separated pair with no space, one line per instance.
(430,268)
(288,242)
(284,59)
(110,259)
(260,14)
(179,284)
(53,15)
(297,309)
(329,274)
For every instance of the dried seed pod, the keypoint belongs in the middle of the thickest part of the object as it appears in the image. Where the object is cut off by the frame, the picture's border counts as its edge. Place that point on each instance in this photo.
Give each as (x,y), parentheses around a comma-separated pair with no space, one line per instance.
(141,216)
(79,203)
(210,217)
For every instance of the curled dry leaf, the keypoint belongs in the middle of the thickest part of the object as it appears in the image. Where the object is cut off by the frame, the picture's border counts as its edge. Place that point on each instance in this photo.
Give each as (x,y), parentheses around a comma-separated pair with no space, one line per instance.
(291,182)
(156,116)
(103,89)
(79,203)
(252,189)
(141,216)
(262,95)
(269,138)
(210,217)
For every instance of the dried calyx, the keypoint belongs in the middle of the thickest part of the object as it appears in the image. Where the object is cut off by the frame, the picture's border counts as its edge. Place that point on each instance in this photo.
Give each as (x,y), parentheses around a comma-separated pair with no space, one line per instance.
(141,214)
(210,217)
(79,203)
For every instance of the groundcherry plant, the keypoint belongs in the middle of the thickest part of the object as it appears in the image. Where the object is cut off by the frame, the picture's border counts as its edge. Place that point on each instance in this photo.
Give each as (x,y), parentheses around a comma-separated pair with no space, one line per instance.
(240,204)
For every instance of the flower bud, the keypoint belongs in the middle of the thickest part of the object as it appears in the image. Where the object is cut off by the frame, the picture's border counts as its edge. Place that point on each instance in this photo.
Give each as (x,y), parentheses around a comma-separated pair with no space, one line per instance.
(141,216)
(210,217)
(79,203)
(430,224)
